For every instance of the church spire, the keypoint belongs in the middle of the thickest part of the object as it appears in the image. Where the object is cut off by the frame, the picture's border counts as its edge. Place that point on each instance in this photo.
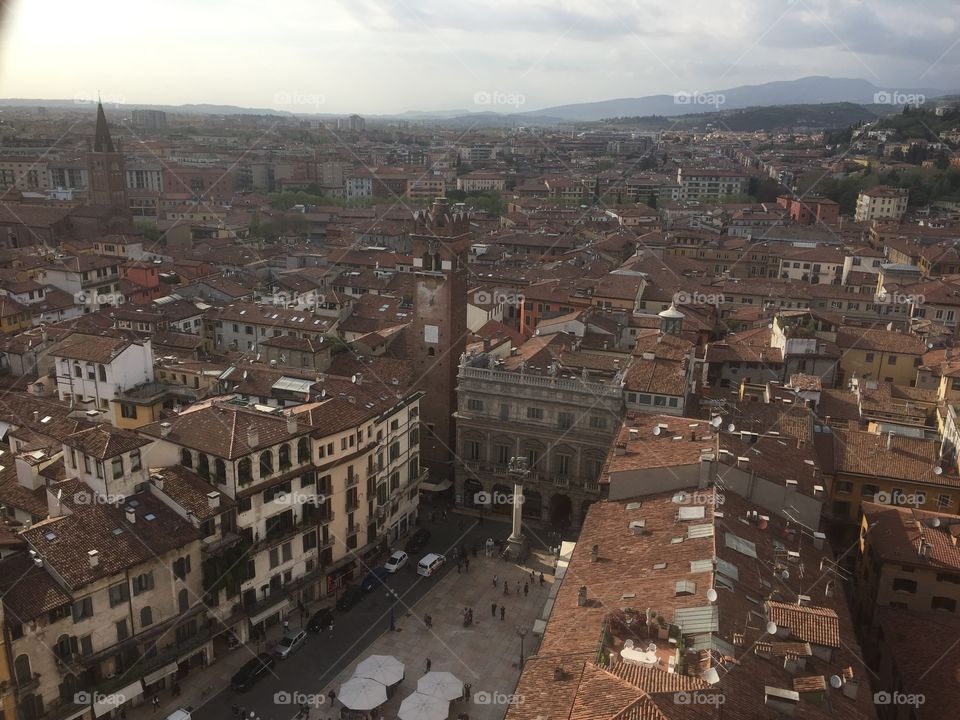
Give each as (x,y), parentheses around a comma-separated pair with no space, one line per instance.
(102,142)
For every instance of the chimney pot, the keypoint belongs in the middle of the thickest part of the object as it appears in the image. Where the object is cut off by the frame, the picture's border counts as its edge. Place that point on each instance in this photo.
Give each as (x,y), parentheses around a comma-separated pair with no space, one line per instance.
(94,557)
(131,515)
(213,499)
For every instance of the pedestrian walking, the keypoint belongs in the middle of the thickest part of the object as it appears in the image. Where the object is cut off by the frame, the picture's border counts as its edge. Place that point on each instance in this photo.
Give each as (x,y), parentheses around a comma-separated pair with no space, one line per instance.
(503,612)
(526,589)
(518,587)
(493,610)
(506,588)
(332,697)
(541,579)
(531,577)
(331,628)
(496,581)
(156,702)
(466,691)
(429,664)
(459,564)
(286,626)
(466,564)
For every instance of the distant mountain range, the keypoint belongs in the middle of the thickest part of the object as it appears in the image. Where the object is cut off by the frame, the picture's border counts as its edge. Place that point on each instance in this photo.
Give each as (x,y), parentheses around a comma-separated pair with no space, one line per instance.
(806,91)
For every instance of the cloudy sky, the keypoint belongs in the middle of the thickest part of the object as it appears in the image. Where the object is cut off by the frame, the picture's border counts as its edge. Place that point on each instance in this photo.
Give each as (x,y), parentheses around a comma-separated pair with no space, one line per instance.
(389,56)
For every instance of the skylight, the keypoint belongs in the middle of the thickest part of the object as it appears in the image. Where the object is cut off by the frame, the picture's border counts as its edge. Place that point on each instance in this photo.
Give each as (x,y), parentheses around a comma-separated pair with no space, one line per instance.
(150,516)
(50,536)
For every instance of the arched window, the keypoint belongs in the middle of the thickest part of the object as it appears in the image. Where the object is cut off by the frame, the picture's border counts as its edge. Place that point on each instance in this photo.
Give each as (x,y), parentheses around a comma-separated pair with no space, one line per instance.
(183,600)
(244,471)
(62,648)
(220,470)
(146,616)
(186,458)
(266,463)
(203,466)
(284,456)
(21,669)
(303,451)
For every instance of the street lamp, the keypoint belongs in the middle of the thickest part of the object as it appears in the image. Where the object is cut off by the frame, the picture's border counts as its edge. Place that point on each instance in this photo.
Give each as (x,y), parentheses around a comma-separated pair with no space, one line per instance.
(522,631)
(392,598)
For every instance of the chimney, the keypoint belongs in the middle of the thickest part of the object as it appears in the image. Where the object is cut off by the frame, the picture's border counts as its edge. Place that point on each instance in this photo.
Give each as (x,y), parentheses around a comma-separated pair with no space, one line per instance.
(165,429)
(253,437)
(620,448)
(131,515)
(487,344)
(291,425)
(582,596)
(36,416)
(213,499)
(93,557)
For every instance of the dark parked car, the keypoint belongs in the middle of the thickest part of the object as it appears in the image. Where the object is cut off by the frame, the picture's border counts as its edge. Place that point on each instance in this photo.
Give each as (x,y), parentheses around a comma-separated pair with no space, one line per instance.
(320,620)
(374,578)
(351,596)
(418,541)
(251,672)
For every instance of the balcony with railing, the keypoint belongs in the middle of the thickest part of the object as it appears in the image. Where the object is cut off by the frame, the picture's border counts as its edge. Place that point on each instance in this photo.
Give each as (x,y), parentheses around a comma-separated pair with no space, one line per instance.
(561,481)
(542,382)
(353,479)
(351,505)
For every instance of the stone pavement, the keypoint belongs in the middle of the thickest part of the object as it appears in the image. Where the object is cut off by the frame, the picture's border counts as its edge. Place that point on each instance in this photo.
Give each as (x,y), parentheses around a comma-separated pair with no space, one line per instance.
(486,654)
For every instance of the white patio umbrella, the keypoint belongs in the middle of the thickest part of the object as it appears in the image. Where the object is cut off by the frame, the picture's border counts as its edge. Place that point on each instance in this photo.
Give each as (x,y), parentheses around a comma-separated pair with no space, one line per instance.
(362,694)
(382,668)
(423,707)
(440,684)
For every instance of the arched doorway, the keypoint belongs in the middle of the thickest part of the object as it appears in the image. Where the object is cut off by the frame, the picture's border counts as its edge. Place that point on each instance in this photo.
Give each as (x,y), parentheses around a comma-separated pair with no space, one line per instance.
(532,505)
(561,511)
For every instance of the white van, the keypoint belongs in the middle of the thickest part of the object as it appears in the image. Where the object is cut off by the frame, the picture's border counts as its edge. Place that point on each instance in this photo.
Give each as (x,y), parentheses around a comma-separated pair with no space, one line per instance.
(179,714)
(429,564)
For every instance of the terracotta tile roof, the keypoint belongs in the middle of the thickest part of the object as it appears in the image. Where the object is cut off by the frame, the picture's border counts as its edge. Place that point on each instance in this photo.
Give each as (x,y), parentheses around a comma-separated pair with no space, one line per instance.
(89,348)
(63,542)
(898,532)
(912,459)
(879,340)
(189,491)
(105,441)
(221,429)
(28,592)
(667,377)
(815,625)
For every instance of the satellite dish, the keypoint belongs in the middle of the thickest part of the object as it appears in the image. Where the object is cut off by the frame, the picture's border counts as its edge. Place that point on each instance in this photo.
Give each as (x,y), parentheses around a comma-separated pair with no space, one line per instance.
(835,681)
(354,379)
(784,575)
(717,421)
(711,676)
(731,427)
(657,430)
(938,470)
(712,595)
(935,522)
(771,628)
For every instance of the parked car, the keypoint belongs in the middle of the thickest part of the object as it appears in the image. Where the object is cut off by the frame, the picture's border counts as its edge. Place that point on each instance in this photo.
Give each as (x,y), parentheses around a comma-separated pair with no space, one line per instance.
(352,594)
(429,564)
(396,561)
(418,541)
(251,672)
(374,579)
(290,643)
(320,620)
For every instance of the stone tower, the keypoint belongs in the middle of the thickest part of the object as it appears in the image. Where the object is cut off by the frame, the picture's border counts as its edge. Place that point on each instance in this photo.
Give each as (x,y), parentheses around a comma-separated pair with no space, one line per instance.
(440,245)
(107,170)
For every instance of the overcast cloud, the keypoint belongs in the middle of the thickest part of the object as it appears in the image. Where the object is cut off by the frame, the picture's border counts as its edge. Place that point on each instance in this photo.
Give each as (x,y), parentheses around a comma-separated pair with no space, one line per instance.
(374,56)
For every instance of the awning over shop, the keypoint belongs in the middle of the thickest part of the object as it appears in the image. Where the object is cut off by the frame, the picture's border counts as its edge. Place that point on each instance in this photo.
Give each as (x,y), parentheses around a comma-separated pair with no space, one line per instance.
(437,486)
(106,702)
(160,674)
(264,614)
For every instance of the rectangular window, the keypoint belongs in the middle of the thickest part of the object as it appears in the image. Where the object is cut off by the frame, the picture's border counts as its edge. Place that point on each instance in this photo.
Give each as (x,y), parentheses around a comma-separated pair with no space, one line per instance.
(868,357)
(565,420)
(117,463)
(534,413)
(82,608)
(103,373)
(891,360)
(598,422)
(135,461)
(904,585)
(474,404)
(274,557)
(122,632)
(142,583)
(118,593)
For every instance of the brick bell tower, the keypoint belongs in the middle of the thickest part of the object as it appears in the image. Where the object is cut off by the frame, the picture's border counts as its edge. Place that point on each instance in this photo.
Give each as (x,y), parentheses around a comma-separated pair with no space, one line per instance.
(440,247)
(107,170)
